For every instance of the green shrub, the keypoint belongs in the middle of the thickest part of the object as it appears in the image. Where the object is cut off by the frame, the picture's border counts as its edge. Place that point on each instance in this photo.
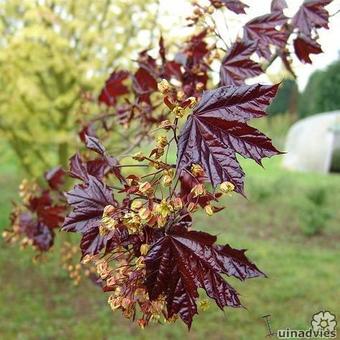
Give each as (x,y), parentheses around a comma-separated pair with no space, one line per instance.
(314,212)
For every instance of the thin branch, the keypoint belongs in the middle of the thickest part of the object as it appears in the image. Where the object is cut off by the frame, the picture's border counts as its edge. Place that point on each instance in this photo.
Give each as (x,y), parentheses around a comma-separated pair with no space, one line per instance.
(132,165)
(335,13)
(139,140)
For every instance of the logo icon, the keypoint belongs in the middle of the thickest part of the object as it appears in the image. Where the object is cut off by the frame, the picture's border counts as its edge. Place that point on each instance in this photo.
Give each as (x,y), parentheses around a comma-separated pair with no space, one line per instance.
(324,321)
(323,326)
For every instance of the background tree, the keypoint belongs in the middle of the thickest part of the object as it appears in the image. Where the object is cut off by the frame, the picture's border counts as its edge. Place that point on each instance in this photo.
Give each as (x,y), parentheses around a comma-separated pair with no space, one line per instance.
(322,91)
(51,51)
(286,98)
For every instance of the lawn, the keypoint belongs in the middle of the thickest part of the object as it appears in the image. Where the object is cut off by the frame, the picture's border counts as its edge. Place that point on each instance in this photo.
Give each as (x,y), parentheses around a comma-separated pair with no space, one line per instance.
(302,264)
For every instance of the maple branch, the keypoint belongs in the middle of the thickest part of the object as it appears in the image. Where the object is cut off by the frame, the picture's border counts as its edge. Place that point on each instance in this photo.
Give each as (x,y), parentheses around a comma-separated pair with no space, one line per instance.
(132,165)
(218,34)
(335,13)
(135,144)
(278,50)
(153,173)
(271,60)
(174,128)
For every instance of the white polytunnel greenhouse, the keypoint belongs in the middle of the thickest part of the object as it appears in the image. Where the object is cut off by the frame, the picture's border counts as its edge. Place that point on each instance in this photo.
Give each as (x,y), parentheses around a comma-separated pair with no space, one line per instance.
(313,144)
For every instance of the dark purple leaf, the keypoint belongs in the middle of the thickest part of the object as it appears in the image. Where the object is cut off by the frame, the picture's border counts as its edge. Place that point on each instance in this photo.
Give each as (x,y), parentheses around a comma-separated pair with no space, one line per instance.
(88,202)
(188,181)
(264,30)
(87,130)
(40,234)
(114,88)
(92,242)
(55,177)
(51,216)
(195,50)
(144,84)
(94,144)
(78,168)
(43,238)
(304,46)
(311,15)
(237,65)
(172,70)
(217,130)
(183,261)
(97,167)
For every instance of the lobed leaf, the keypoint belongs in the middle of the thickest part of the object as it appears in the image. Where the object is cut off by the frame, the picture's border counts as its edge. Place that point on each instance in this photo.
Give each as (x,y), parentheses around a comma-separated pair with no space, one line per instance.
(88,202)
(311,15)
(217,131)
(264,30)
(237,66)
(94,144)
(182,261)
(114,88)
(304,46)
(55,177)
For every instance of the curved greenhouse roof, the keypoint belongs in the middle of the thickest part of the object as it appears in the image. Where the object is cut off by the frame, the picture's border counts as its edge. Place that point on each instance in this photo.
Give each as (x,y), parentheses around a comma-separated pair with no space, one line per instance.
(313,144)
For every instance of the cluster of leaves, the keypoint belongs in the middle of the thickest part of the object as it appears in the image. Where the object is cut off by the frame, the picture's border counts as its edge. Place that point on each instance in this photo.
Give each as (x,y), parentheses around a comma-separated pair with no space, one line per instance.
(41,212)
(137,228)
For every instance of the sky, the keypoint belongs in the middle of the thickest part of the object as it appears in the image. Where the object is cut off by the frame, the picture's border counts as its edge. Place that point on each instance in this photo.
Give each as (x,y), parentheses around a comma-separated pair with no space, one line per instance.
(174,11)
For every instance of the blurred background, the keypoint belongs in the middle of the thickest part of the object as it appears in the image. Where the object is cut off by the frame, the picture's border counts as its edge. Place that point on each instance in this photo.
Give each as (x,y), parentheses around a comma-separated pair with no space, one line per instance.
(51,51)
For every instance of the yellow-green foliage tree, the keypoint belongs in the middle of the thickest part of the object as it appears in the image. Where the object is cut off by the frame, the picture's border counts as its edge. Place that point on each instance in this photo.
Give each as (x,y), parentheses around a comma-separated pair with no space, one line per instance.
(50,51)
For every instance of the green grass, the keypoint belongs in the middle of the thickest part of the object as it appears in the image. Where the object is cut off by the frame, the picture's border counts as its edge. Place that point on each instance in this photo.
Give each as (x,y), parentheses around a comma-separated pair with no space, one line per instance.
(39,302)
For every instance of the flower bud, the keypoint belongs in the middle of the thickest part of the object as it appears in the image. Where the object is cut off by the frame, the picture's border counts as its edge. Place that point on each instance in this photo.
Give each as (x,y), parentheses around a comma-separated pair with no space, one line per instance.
(180,95)
(108,210)
(145,188)
(199,86)
(144,248)
(204,304)
(191,207)
(138,157)
(110,281)
(178,111)
(136,205)
(144,213)
(209,210)
(198,190)
(126,302)
(141,323)
(227,187)
(193,101)
(161,220)
(163,86)
(210,9)
(177,203)
(140,262)
(197,170)
(165,124)
(164,208)
(162,141)
(198,12)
